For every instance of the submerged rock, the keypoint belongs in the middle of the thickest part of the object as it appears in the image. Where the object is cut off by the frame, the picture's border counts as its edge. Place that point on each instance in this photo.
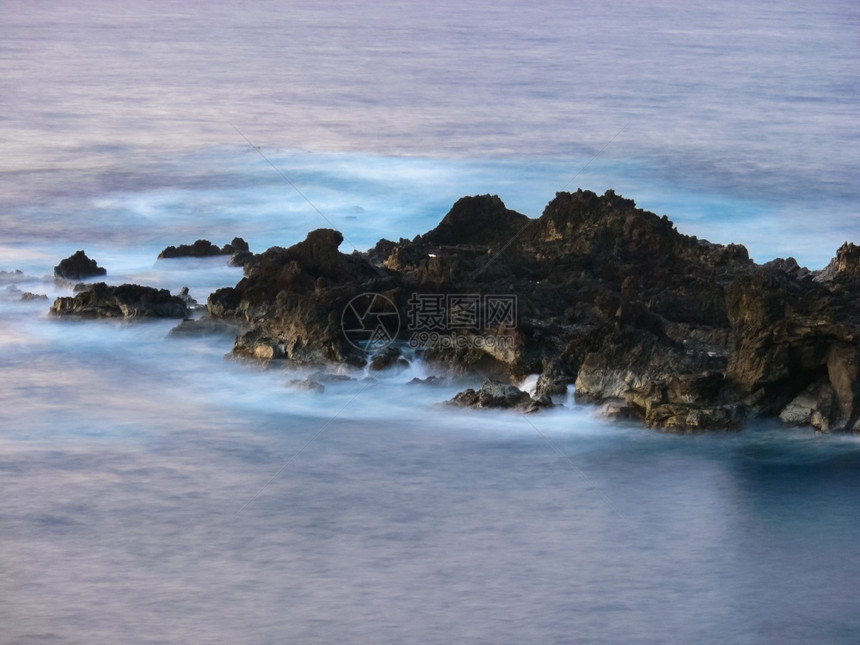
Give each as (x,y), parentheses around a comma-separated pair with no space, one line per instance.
(124,301)
(28,296)
(11,277)
(78,267)
(306,384)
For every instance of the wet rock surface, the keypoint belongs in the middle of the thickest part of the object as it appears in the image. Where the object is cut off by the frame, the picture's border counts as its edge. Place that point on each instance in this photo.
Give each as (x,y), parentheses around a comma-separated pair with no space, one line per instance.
(678,332)
(498,394)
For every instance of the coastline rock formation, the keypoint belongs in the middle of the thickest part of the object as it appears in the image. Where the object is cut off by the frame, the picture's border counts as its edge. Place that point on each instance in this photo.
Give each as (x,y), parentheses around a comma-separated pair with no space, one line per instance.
(676,331)
(125,301)
(78,267)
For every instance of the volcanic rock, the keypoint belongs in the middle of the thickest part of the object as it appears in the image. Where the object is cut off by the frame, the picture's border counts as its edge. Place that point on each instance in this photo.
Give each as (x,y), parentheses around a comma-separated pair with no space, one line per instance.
(78,267)
(684,334)
(124,301)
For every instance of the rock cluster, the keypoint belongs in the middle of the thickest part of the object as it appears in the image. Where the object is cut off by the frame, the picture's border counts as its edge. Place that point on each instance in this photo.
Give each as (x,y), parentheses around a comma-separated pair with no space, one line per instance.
(676,331)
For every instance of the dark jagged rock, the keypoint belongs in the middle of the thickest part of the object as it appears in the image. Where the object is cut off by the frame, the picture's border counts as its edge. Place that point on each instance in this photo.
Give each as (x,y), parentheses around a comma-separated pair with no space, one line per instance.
(199,249)
(293,300)
(497,394)
(553,380)
(78,267)
(676,331)
(795,342)
(844,268)
(482,221)
(238,251)
(124,301)
(190,302)
(493,394)
(238,245)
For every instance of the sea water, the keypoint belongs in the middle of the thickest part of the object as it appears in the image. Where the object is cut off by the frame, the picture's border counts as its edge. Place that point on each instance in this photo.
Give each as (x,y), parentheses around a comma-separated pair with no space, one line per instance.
(155,490)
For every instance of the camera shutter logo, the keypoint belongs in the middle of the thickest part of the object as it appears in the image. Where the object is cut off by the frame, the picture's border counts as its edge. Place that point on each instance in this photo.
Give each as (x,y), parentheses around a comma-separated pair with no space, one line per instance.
(370,322)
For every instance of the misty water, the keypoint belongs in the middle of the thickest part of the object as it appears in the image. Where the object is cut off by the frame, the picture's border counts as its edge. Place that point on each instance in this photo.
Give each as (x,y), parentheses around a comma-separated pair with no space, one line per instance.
(155,490)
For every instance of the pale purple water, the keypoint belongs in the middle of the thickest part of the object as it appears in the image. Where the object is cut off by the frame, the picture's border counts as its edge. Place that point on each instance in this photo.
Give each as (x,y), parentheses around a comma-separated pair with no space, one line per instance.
(154,492)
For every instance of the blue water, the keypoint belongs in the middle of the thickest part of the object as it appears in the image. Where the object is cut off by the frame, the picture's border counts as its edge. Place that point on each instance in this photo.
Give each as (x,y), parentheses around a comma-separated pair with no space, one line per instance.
(155,491)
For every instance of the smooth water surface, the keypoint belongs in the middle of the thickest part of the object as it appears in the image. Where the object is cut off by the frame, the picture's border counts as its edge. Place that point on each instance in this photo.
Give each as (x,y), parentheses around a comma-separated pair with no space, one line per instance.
(154,491)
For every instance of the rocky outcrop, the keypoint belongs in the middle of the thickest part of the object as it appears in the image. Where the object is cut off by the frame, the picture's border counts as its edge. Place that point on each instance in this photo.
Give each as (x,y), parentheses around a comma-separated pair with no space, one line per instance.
(795,348)
(679,332)
(292,300)
(78,267)
(237,250)
(124,301)
(844,268)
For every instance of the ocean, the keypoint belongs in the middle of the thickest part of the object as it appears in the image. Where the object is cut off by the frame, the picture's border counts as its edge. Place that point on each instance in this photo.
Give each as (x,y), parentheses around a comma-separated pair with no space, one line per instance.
(155,490)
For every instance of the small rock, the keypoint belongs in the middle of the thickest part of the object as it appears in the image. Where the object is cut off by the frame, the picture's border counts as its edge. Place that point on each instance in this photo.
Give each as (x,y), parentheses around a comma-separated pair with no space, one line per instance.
(190,302)
(430,380)
(496,394)
(78,267)
(200,249)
